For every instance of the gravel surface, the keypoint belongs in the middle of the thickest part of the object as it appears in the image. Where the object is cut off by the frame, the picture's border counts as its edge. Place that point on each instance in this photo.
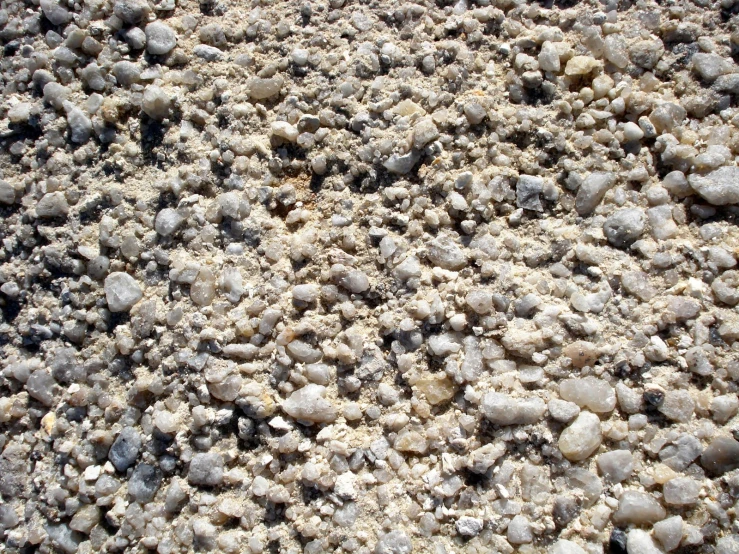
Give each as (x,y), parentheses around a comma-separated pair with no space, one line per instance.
(370,277)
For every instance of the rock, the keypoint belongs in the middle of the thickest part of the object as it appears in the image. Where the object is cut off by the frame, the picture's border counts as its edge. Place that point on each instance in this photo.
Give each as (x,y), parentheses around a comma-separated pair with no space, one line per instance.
(203,289)
(424,131)
(581,65)
(122,292)
(678,405)
(160,38)
(411,441)
(682,453)
(589,392)
(285,131)
(592,190)
(719,187)
(728,545)
(131,12)
(80,126)
(125,449)
(640,542)
(637,284)
(632,132)
(40,385)
(726,287)
(519,530)
(305,294)
(52,205)
(394,542)
(469,526)
(581,438)
(624,227)
(126,73)
(720,456)
(724,407)
(549,57)
(85,519)
(481,301)
(443,252)
(7,193)
(582,353)
(303,352)
(562,410)
(616,465)
(437,388)
(638,508)
(482,459)
(206,469)
(56,14)
(474,113)
(502,409)
(669,532)
(563,546)
(168,221)
(144,483)
(263,88)
(564,510)
(661,222)
(681,491)
(646,53)
(709,67)
(63,538)
(309,404)
(157,104)
(401,164)
(528,190)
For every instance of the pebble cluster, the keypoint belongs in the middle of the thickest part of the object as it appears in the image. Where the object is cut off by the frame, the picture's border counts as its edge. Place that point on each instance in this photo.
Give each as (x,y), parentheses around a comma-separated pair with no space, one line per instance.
(372,277)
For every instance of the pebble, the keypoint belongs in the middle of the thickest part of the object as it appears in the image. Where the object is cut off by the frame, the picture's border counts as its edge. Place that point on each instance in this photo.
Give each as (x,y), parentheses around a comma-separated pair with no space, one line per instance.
(168,221)
(528,190)
(625,226)
(681,491)
(591,393)
(640,542)
(638,508)
(720,456)
(591,192)
(504,410)
(206,469)
(581,438)
(144,483)
(669,532)
(160,38)
(122,292)
(563,546)
(719,187)
(616,466)
(125,449)
(394,542)
(309,404)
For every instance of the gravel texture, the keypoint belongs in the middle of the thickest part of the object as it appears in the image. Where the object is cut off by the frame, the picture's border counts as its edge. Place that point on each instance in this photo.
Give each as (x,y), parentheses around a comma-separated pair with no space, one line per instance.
(370,277)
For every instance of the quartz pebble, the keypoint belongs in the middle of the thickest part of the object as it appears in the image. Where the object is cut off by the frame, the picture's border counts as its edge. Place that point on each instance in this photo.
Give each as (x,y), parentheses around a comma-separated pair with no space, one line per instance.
(581,438)
(122,292)
(369,277)
(310,404)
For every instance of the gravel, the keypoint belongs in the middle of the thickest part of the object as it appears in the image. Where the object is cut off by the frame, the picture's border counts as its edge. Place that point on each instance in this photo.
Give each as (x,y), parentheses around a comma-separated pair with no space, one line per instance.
(367,277)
